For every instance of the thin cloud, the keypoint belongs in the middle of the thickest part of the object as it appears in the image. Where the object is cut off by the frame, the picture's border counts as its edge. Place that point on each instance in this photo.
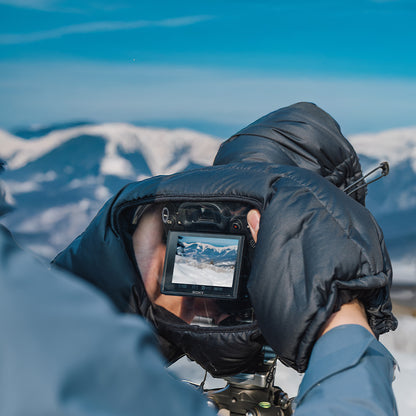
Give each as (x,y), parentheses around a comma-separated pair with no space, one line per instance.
(94,27)
(30,4)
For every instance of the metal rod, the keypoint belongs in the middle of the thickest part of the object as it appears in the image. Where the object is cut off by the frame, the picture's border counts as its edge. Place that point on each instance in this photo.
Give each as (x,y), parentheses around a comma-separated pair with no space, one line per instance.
(384,166)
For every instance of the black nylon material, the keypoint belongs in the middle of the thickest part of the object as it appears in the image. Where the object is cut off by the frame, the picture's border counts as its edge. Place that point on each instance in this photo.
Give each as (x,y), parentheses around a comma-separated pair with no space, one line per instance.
(301,135)
(101,254)
(222,351)
(313,240)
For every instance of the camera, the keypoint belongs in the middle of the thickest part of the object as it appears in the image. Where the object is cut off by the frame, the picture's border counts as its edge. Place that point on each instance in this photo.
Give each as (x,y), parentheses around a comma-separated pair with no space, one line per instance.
(208,249)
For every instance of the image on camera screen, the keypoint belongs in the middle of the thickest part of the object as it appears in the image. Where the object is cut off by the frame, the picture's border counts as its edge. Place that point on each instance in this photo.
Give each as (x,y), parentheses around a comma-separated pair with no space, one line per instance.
(207,261)
(202,264)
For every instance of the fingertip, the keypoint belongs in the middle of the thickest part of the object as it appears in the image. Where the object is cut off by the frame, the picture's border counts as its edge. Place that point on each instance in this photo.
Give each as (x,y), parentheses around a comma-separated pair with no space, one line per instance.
(253,220)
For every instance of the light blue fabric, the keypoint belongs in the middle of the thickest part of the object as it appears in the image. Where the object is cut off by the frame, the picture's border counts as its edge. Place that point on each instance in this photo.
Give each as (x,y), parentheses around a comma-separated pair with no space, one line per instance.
(349,373)
(64,350)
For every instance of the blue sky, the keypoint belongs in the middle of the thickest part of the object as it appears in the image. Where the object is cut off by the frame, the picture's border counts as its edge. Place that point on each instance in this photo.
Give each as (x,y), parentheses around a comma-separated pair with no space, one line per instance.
(211,65)
(214,241)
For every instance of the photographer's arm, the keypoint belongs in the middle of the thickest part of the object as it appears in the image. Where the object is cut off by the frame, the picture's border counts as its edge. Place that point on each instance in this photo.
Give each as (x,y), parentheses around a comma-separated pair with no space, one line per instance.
(65,350)
(349,372)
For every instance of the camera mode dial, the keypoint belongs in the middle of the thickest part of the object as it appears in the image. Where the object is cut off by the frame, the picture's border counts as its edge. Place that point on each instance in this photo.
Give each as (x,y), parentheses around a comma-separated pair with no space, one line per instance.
(166,217)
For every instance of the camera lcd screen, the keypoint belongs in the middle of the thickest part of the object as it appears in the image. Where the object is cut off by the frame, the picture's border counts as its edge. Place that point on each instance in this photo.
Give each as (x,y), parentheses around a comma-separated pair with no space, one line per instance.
(202,264)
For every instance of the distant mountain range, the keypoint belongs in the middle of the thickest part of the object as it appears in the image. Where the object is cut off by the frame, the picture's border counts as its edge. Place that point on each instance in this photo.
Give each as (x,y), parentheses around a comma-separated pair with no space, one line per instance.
(204,253)
(60,176)
(392,200)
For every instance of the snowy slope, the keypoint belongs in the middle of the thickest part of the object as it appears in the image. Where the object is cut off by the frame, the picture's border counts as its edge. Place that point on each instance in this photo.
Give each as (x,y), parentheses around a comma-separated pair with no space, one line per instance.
(59,180)
(165,151)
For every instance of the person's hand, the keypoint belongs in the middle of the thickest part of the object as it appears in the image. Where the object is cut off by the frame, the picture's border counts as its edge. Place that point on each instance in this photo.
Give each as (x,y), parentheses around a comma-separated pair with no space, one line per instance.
(253,220)
(350,313)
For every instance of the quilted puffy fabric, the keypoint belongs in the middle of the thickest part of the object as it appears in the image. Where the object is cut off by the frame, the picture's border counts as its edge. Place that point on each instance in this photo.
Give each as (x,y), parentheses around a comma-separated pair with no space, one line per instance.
(315,245)
(301,135)
(317,249)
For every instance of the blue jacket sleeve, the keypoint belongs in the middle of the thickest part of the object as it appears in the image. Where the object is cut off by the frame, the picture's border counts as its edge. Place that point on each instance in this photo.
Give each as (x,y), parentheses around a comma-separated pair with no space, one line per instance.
(349,373)
(64,350)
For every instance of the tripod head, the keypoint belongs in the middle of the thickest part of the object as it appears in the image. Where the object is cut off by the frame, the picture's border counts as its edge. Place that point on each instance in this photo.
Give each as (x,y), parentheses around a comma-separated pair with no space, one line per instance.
(252,394)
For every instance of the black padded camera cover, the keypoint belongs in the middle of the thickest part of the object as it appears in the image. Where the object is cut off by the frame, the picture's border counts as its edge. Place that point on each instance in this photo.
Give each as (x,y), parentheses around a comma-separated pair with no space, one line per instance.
(314,242)
(317,247)
(301,135)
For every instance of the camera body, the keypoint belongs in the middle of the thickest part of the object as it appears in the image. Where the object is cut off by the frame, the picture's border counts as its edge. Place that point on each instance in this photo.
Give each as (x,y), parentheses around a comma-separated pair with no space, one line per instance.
(208,249)
(222,217)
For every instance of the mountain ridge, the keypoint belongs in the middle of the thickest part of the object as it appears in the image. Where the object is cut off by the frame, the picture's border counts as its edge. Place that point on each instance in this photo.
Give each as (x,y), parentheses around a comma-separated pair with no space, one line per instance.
(394,145)
(61,179)
(19,152)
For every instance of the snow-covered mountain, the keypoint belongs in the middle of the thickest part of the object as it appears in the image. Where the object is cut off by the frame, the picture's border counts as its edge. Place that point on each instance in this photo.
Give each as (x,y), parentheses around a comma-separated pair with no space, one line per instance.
(392,200)
(60,179)
(61,175)
(220,256)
